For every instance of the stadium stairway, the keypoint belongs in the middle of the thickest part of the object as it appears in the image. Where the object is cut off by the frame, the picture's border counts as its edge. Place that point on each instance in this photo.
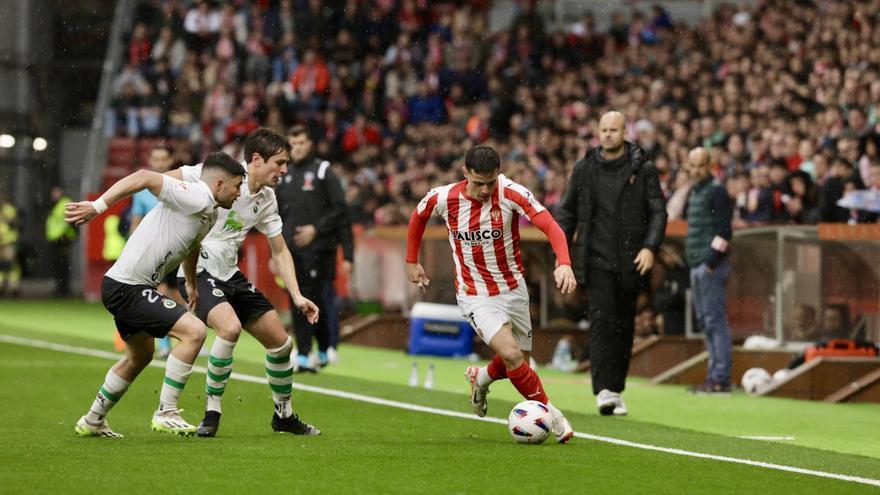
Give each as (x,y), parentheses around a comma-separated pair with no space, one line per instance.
(693,370)
(831,379)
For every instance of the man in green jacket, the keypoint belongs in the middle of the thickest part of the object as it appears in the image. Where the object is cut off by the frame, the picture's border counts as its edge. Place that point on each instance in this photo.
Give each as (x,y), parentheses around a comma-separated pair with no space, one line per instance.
(62,236)
(709,213)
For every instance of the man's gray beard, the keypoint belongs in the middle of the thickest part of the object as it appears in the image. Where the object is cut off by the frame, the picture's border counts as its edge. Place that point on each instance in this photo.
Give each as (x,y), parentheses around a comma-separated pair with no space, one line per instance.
(612,151)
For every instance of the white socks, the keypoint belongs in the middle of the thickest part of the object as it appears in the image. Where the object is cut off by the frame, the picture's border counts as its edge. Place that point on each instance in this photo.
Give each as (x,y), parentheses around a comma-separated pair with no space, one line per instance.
(219,369)
(279,373)
(176,374)
(483,378)
(108,395)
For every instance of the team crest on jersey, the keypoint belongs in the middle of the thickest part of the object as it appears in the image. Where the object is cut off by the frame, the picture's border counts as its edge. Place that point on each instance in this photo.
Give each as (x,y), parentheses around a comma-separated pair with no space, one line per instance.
(182,186)
(308,181)
(168,303)
(495,215)
(232,224)
(217,293)
(256,209)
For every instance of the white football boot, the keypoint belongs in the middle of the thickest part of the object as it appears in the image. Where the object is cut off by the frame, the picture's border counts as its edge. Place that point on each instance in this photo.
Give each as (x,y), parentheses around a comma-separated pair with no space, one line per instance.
(169,421)
(478,394)
(85,429)
(562,429)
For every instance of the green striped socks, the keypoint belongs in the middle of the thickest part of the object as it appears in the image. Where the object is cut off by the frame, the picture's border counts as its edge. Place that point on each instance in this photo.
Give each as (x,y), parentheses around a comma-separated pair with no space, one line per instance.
(279,372)
(219,369)
(176,374)
(108,395)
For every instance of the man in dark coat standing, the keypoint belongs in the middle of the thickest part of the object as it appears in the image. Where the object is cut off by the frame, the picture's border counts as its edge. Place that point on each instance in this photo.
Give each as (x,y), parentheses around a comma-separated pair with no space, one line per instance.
(614,216)
(312,206)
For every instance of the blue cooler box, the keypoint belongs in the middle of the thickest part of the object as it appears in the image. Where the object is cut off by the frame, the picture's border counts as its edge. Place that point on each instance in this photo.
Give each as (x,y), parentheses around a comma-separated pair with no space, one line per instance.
(439,330)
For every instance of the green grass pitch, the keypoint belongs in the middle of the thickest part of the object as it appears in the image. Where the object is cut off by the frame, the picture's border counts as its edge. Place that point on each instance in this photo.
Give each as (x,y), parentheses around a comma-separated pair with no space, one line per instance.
(369,448)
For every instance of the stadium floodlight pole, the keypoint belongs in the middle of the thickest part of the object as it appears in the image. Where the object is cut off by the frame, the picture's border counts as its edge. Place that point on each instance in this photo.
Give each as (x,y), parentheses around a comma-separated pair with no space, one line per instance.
(96,149)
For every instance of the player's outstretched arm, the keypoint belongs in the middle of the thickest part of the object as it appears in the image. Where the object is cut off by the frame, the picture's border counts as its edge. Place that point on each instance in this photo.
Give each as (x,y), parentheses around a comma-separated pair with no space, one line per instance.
(414,271)
(83,211)
(563,273)
(284,261)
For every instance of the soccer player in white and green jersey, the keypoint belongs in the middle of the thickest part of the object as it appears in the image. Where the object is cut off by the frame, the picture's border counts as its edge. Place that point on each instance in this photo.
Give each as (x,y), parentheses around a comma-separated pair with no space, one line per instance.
(169,234)
(228,302)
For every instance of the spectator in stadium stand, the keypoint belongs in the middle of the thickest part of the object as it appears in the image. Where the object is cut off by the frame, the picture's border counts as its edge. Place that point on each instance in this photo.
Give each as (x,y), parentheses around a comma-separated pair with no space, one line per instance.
(709,214)
(834,189)
(763,205)
(717,81)
(806,328)
(802,203)
(312,206)
(614,216)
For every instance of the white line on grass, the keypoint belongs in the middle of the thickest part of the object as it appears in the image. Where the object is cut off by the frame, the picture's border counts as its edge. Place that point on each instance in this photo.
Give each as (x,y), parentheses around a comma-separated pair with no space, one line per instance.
(769,439)
(455,414)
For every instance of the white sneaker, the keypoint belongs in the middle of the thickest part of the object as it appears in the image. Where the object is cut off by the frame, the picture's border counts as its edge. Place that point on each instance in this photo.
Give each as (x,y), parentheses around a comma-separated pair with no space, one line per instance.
(314,363)
(562,429)
(620,407)
(478,394)
(169,421)
(607,401)
(85,429)
(332,355)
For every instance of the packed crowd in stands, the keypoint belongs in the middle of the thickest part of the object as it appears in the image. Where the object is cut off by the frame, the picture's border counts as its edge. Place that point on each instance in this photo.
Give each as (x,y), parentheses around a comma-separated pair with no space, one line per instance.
(786,94)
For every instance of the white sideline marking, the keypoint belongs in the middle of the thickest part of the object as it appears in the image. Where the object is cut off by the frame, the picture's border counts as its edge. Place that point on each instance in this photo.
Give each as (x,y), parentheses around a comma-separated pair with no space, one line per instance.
(758,437)
(455,414)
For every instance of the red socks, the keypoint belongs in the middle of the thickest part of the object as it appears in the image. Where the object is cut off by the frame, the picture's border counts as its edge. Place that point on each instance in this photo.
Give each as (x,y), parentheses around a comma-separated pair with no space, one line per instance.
(496,368)
(523,378)
(526,382)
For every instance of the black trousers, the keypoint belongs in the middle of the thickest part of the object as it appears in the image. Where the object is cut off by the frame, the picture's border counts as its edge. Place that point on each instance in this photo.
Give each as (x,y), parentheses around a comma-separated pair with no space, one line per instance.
(314,272)
(612,310)
(61,266)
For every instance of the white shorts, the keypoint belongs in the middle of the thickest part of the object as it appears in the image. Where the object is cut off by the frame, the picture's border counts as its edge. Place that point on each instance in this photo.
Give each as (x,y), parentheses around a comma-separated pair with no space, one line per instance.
(487,314)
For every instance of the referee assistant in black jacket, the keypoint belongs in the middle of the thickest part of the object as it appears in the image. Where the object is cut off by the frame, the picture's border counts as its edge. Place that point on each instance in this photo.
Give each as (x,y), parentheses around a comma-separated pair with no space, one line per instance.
(312,206)
(614,216)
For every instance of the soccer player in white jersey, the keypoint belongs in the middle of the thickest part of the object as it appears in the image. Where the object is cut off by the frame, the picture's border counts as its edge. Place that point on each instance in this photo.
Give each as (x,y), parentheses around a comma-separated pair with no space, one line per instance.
(482,215)
(229,301)
(168,234)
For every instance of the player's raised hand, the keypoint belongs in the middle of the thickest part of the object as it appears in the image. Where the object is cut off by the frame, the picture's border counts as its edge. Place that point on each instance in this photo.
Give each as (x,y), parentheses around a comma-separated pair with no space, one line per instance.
(416,275)
(80,212)
(565,280)
(307,308)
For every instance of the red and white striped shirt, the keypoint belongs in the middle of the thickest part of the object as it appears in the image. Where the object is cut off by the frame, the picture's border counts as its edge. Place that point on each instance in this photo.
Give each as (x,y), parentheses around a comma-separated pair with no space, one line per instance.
(484,236)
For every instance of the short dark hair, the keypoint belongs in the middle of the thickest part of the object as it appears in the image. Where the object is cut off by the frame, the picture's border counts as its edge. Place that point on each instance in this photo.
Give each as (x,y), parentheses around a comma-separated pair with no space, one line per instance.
(482,159)
(265,142)
(299,130)
(221,162)
(163,147)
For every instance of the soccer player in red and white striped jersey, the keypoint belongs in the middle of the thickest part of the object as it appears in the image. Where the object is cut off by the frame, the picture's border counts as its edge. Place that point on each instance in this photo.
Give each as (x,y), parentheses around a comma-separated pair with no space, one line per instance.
(482,215)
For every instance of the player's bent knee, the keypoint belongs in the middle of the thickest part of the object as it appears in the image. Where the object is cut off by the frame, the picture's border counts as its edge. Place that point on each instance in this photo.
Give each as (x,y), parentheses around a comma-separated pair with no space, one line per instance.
(228,330)
(511,355)
(191,329)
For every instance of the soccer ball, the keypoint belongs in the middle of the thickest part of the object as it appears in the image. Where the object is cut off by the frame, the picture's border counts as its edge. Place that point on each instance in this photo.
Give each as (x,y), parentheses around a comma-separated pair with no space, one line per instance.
(755,379)
(530,422)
